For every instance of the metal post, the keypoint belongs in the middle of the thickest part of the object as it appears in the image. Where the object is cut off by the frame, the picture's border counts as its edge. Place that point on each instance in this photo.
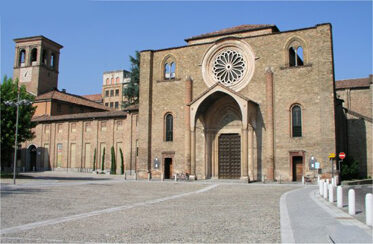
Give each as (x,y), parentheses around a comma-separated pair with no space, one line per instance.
(332,168)
(16,140)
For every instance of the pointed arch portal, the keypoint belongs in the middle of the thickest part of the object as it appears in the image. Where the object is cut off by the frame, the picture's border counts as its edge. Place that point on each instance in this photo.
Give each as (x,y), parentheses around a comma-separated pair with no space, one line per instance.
(222,122)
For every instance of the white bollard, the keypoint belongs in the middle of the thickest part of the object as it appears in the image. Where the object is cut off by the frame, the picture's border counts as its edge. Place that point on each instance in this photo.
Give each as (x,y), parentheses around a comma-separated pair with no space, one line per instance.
(321,187)
(333,181)
(369,209)
(331,193)
(327,181)
(325,190)
(162,177)
(318,179)
(339,197)
(303,180)
(336,180)
(351,202)
(175,177)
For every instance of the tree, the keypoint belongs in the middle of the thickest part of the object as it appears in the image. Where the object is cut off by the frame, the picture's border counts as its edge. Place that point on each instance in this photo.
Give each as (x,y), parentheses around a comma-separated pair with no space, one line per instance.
(131,91)
(8,92)
(113,167)
(121,161)
(94,161)
(103,161)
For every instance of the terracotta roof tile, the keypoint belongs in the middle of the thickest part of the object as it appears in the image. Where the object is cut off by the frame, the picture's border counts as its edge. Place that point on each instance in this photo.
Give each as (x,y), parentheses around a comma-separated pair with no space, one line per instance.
(354,83)
(70,98)
(93,97)
(80,116)
(231,30)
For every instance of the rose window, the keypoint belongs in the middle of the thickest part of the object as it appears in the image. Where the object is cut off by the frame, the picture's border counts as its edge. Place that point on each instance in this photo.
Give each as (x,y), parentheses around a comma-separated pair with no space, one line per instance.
(229,67)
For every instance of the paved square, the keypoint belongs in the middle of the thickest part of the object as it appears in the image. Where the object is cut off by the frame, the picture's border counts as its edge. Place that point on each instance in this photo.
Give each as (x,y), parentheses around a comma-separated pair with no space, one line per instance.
(108,209)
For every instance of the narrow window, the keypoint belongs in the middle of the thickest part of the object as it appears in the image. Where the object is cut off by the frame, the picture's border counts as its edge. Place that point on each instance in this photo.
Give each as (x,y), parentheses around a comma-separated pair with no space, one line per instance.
(173,67)
(22,56)
(117,80)
(107,81)
(111,93)
(34,55)
(169,127)
(112,80)
(167,70)
(116,105)
(44,57)
(106,93)
(53,60)
(107,104)
(299,56)
(111,104)
(296,114)
(292,54)
(117,92)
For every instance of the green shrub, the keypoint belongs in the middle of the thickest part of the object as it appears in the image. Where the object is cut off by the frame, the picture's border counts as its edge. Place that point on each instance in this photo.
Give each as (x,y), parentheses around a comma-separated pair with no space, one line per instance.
(350,169)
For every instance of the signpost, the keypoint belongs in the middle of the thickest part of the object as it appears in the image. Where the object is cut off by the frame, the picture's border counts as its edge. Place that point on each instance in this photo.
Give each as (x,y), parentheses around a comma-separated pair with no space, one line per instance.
(331,156)
(342,156)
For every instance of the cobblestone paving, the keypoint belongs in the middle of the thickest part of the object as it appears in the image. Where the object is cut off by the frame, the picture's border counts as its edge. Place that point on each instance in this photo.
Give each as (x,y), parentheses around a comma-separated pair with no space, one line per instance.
(148,212)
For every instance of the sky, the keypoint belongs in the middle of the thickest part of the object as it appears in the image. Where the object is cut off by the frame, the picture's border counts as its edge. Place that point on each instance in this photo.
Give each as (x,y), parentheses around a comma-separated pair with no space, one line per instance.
(99,36)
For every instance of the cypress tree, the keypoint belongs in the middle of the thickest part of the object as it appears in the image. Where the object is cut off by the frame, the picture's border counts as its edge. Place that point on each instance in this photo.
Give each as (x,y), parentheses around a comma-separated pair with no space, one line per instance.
(113,168)
(121,161)
(103,161)
(94,160)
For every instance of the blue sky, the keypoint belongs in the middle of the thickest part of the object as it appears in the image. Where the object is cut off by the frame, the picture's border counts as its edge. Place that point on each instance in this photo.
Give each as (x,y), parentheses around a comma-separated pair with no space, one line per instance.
(100,35)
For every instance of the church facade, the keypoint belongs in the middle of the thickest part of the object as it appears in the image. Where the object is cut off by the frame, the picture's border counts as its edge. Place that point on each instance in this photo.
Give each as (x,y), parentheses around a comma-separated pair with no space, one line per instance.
(249,102)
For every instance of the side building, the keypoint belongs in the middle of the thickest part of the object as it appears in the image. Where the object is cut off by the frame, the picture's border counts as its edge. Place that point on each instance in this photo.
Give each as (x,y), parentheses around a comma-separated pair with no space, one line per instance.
(357,96)
(112,88)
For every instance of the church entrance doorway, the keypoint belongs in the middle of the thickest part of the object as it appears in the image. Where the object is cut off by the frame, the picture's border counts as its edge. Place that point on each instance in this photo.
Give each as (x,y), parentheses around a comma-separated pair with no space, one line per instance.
(229,156)
(297,168)
(168,169)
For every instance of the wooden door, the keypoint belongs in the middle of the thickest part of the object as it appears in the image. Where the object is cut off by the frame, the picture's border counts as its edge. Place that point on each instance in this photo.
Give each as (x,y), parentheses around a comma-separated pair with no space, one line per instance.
(229,156)
(297,168)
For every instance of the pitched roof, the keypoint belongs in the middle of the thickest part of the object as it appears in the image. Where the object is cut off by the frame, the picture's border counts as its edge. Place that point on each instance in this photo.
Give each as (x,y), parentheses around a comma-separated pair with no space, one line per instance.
(93,97)
(354,83)
(70,98)
(232,30)
(80,116)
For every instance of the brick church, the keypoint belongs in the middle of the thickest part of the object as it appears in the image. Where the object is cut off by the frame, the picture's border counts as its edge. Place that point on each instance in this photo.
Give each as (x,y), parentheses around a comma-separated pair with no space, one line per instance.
(249,102)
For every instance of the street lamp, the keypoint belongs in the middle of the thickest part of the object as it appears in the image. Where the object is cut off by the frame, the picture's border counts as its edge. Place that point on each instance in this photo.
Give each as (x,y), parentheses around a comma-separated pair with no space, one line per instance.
(11,103)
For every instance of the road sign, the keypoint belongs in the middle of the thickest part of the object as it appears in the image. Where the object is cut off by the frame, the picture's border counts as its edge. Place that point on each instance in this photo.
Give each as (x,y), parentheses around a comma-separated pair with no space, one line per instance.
(342,155)
(331,155)
(317,165)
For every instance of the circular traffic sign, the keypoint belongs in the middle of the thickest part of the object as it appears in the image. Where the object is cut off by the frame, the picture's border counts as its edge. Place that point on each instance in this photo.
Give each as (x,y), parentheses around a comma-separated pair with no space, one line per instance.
(342,155)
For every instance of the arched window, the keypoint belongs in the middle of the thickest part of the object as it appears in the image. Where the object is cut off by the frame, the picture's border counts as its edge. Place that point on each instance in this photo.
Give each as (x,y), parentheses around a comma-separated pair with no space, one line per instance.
(295,56)
(167,71)
(291,57)
(22,56)
(300,56)
(296,52)
(34,55)
(296,121)
(169,120)
(44,57)
(53,60)
(117,80)
(107,81)
(173,66)
(112,80)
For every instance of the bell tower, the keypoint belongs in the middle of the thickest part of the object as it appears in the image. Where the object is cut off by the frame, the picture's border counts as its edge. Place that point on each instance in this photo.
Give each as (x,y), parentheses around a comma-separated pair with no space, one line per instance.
(36,63)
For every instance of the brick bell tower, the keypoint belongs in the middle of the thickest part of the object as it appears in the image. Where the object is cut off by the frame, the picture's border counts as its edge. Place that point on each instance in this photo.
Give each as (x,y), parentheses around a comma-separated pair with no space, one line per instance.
(36,63)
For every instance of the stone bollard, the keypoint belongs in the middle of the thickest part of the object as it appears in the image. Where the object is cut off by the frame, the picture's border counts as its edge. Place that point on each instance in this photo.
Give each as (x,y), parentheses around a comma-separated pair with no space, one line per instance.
(325,190)
(339,197)
(331,193)
(175,177)
(303,180)
(336,180)
(318,179)
(369,209)
(351,202)
(162,177)
(321,187)
(332,181)
(327,181)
